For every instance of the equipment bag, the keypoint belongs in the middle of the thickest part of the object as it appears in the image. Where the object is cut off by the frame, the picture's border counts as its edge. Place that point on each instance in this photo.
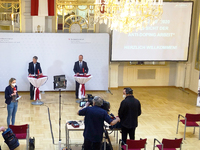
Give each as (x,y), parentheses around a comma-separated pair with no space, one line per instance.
(10,139)
(31,143)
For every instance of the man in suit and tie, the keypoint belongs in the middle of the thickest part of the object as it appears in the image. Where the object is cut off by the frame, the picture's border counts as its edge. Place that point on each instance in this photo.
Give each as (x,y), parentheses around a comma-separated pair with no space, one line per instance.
(33,69)
(80,67)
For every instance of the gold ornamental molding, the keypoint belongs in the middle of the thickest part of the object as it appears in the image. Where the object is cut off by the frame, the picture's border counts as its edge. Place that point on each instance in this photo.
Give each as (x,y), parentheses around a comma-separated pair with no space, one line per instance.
(67,15)
(11,8)
(75,2)
(9,1)
(13,5)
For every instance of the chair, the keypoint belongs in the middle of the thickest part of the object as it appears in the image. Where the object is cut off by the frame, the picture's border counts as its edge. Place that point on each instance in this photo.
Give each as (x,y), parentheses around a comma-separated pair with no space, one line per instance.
(190,120)
(133,144)
(168,144)
(21,132)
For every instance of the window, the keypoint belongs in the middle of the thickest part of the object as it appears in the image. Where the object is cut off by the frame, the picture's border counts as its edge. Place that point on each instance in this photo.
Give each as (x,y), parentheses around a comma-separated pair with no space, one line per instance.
(10,16)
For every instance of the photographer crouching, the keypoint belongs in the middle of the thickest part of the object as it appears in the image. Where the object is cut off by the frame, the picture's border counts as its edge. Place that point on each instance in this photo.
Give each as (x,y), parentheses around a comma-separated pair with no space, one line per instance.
(94,123)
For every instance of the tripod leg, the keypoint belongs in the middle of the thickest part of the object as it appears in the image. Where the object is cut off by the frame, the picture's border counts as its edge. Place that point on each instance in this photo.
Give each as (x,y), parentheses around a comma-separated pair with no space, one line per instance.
(107,137)
(104,144)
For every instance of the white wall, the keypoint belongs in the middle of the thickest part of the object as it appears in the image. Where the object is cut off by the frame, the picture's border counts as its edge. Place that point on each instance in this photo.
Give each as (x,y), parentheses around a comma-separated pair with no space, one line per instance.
(172,73)
(26,16)
(123,74)
(49,24)
(192,74)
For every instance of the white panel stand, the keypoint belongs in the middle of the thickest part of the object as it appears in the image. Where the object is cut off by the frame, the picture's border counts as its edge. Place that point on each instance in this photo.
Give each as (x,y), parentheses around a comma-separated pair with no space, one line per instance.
(57,54)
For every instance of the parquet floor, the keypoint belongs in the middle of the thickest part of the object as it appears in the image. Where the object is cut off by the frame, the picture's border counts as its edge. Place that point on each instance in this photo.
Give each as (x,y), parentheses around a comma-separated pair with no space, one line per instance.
(160,109)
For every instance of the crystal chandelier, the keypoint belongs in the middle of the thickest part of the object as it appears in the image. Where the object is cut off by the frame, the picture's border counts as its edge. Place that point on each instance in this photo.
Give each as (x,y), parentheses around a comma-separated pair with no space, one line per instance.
(128,15)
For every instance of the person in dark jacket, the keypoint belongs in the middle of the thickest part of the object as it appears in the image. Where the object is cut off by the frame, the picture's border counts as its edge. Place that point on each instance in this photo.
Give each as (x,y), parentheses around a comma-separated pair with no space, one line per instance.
(11,96)
(33,69)
(80,67)
(129,111)
(94,123)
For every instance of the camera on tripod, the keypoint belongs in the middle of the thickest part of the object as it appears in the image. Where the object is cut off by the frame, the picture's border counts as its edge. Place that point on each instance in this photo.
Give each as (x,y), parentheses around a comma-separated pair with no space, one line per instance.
(105,106)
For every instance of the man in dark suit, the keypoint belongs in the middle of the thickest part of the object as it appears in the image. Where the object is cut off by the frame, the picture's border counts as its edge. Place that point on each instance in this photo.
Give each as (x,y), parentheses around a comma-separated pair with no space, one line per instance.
(80,67)
(33,69)
(129,111)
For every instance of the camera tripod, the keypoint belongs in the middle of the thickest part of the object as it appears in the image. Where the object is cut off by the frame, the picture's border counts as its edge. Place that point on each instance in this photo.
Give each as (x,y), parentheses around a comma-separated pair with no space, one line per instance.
(107,138)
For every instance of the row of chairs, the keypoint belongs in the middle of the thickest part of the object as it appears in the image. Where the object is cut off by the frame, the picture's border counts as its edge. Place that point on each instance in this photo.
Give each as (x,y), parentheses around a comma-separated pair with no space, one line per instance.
(190,120)
(22,132)
(166,144)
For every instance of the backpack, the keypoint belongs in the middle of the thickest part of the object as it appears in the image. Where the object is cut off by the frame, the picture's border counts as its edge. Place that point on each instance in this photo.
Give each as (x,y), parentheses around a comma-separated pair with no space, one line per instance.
(10,139)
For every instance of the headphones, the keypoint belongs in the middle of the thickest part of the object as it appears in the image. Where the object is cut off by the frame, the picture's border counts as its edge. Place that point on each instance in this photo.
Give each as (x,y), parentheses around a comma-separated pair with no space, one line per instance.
(129,91)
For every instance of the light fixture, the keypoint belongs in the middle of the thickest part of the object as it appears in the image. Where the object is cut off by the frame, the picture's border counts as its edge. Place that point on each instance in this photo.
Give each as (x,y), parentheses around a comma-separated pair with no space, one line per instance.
(128,15)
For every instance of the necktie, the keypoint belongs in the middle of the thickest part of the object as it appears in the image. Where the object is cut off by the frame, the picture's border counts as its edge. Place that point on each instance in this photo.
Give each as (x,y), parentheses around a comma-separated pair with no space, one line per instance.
(34,68)
(80,65)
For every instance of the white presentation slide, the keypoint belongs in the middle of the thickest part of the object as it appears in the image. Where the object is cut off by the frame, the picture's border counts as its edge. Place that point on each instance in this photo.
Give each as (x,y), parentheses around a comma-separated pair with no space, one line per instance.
(167,40)
(57,54)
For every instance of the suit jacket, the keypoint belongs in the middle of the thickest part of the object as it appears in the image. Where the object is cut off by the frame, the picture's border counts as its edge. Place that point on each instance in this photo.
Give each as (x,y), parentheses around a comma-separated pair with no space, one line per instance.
(8,92)
(31,68)
(77,68)
(129,111)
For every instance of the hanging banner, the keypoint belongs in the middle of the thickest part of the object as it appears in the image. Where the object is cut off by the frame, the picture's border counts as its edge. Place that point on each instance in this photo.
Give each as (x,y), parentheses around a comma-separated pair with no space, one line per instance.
(198,97)
(42,7)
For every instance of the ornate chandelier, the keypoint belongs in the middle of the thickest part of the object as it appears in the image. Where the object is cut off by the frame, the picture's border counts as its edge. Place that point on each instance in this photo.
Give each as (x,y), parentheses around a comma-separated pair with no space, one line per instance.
(128,15)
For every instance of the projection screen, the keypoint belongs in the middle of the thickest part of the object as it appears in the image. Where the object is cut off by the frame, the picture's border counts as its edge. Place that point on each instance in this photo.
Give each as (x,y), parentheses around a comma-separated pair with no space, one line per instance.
(167,40)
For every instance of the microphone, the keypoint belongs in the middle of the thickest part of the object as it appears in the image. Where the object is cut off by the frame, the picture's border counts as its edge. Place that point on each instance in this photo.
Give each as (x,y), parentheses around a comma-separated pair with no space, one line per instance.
(14,90)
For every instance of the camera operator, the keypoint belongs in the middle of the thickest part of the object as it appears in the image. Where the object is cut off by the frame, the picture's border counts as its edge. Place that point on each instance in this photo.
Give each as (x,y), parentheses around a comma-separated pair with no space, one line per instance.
(94,123)
(129,111)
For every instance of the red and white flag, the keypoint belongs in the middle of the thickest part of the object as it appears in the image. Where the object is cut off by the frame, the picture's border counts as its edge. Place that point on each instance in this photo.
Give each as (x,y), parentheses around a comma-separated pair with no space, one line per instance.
(42,7)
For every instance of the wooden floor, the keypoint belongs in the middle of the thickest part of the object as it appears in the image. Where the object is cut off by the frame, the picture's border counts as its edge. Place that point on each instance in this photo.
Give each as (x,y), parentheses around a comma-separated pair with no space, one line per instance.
(160,109)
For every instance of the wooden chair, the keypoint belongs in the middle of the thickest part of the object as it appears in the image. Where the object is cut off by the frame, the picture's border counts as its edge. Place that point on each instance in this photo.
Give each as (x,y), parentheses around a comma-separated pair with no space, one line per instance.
(190,120)
(21,132)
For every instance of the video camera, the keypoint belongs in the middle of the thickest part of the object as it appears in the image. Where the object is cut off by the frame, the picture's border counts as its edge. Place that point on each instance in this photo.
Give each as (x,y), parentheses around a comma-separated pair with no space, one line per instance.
(105,106)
